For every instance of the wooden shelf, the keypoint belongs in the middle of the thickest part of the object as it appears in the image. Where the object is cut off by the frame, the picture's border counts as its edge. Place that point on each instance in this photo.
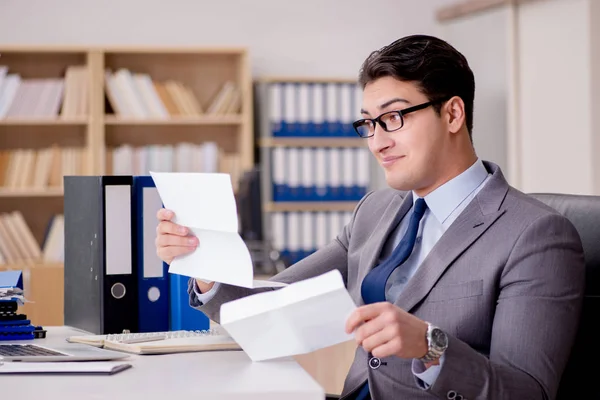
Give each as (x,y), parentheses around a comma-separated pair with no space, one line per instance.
(31,192)
(42,121)
(310,206)
(304,79)
(202,120)
(28,264)
(312,142)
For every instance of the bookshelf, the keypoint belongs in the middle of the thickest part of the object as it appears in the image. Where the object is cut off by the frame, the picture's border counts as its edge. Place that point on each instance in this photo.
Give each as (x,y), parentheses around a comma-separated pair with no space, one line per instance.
(72,107)
(310,158)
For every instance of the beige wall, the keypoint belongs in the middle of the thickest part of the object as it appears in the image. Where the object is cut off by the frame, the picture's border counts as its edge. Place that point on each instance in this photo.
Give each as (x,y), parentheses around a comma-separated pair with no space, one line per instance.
(540,61)
(308,37)
(555,96)
(482,38)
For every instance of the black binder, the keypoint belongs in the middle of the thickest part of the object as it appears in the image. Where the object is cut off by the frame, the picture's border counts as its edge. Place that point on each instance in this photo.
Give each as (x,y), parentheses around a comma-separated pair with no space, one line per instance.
(100,266)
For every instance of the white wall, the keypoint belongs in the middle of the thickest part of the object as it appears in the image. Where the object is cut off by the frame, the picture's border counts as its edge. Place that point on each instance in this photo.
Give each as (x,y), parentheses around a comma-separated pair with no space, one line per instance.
(595,93)
(537,70)
(302,38)
(482,38)
(555,96)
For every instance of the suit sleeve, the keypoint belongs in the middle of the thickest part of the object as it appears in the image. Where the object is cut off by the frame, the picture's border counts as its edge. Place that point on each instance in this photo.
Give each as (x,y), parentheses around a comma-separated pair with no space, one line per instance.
(537,314)
(332,256)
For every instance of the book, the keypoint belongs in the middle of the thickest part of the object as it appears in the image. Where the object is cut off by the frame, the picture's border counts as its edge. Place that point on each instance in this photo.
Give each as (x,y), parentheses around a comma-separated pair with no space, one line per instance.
(161,342)
(107,368)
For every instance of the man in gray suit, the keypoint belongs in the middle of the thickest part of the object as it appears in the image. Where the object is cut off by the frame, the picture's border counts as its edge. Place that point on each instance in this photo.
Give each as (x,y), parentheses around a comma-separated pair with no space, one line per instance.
(467,288)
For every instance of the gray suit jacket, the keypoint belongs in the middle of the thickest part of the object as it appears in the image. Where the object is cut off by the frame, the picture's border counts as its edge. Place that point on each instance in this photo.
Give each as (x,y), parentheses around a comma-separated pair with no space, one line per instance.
(505,282)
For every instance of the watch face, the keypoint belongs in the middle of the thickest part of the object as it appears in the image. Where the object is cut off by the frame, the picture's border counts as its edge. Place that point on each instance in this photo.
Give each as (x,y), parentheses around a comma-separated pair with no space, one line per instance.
(439,338)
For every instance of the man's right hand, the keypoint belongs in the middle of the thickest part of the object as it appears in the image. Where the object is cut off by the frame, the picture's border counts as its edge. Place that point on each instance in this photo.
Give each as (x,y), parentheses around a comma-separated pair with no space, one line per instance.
(174,240)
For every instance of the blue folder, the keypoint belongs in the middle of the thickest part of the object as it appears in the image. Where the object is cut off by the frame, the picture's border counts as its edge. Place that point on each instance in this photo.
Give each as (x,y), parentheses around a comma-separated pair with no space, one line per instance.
(182,315)
(153,284)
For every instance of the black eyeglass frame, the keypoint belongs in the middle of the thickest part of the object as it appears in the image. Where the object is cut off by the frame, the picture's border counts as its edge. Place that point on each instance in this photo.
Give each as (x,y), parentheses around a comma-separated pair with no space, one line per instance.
(401,114)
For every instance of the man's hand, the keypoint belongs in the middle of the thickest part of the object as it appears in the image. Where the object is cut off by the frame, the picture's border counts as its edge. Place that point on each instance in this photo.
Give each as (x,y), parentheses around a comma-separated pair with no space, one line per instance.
(174,240)
(386,330)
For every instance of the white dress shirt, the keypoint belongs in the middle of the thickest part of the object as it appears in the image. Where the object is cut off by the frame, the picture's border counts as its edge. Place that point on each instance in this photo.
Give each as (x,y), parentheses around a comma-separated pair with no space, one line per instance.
(444,205)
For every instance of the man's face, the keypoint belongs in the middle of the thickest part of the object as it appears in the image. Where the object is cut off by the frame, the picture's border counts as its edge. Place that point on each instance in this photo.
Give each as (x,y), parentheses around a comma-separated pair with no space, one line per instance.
(411,156)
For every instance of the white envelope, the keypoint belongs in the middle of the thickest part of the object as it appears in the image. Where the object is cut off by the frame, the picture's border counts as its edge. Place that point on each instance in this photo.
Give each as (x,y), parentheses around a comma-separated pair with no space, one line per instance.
(300,318)
(205,203)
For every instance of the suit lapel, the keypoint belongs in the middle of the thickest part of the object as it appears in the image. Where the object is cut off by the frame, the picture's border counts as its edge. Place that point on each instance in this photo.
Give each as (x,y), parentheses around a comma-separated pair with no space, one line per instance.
(392,215)
(477,217)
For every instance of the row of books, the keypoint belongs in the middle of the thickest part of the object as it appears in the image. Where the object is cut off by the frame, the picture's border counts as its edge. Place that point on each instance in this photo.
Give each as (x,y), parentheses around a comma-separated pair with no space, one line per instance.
(296,235)
(40,168)
(319,174)
(313,109)
(182,157)
(44,97)
(137,95)
(18,245)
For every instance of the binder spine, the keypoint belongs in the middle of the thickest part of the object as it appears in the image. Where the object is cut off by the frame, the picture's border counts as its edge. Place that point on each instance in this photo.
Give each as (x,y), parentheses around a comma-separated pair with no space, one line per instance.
(153,285)
(120,291)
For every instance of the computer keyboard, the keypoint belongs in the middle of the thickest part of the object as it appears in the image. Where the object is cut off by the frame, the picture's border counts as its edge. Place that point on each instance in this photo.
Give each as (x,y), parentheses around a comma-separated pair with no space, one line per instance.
(19,350)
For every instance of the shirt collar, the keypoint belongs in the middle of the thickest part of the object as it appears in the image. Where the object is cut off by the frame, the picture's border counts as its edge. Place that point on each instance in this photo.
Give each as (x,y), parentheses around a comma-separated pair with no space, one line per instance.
(446,198)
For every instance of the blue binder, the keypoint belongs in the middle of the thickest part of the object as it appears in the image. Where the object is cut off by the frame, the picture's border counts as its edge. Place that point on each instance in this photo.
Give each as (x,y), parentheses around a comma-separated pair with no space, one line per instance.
(182,315)
(153,284)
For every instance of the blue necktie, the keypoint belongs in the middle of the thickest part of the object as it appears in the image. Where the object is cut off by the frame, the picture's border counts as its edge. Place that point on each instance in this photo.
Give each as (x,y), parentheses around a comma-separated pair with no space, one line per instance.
(373,286)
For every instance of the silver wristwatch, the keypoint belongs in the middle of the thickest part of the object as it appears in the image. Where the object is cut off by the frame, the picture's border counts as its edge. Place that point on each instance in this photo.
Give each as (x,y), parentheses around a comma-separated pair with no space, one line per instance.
(437,342)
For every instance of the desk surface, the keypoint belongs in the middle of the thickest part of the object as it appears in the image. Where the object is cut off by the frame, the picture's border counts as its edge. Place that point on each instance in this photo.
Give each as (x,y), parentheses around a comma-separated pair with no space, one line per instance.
(200,375)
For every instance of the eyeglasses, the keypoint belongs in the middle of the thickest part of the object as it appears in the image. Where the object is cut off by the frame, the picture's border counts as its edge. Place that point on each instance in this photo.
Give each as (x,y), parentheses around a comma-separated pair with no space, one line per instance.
(390,121)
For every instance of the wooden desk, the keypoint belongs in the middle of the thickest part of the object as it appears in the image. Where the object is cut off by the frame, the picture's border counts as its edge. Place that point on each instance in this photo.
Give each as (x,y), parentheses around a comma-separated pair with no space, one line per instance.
(201,375)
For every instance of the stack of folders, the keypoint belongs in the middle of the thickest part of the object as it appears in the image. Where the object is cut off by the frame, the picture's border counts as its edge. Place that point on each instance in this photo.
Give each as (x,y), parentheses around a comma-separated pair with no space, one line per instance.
(161,342)
(313,109)
(13,326)
(319,174)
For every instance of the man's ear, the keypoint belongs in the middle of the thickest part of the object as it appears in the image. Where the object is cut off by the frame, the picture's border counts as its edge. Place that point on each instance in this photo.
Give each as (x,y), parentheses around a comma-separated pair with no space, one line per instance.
(455,113)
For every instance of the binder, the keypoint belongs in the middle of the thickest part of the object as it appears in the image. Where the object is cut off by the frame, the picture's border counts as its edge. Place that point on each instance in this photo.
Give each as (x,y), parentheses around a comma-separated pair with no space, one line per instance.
(280,174)
(346,112)
(153,283)
(289,126)
(181,315)
(319,128)
(303,97)
(321,175)
(293,170)
(348,175)
(334,188)
(294,236)
(276,109)
(101,293)
(362,172)
(308,192)
(332,96)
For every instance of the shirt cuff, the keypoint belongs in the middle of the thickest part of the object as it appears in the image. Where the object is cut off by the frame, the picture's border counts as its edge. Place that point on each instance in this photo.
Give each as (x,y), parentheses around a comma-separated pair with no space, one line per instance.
(426,376)
(204,298)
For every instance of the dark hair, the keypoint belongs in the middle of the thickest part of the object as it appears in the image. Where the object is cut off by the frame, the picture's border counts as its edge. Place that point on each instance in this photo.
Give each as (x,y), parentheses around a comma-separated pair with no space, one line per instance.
(439,70)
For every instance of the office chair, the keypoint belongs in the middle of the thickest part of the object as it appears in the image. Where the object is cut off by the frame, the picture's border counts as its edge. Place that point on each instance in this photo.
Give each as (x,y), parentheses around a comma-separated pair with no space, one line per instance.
(578,380)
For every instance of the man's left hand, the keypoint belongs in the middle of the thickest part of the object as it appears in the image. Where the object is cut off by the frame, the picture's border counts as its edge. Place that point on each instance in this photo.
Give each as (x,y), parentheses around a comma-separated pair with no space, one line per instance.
(385,330)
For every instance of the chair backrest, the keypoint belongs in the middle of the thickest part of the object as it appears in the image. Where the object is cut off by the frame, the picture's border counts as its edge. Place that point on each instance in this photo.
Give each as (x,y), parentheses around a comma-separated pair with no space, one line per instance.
(578,380)
(250,205)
